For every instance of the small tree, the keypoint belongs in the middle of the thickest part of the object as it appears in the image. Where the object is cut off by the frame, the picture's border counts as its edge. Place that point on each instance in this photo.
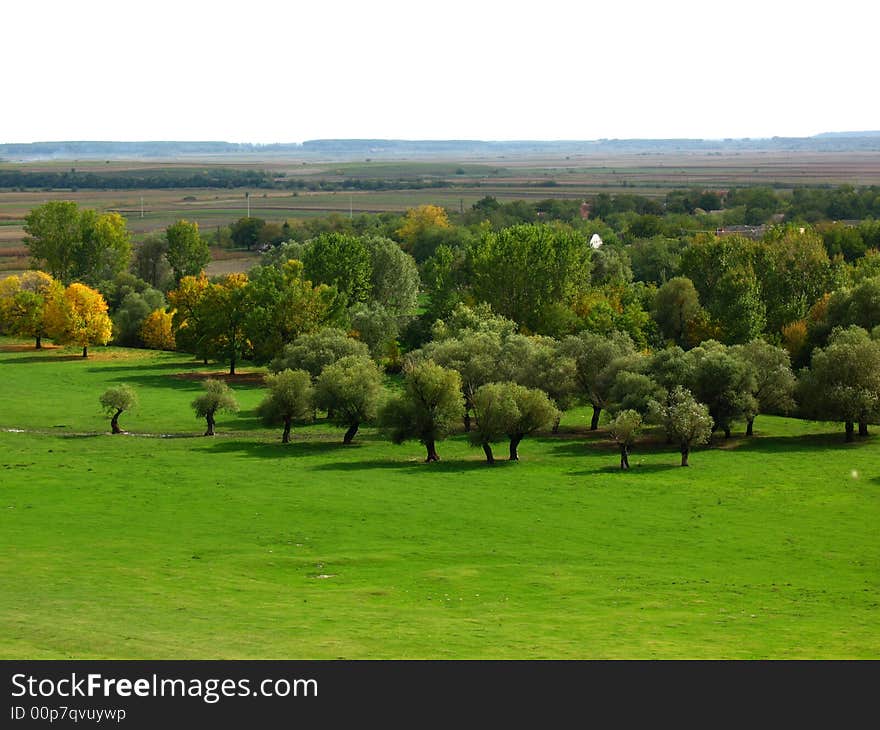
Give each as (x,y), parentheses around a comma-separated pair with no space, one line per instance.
(427,408)
(686,421)
(217,397)
(775,382)
(350,390)
(78,315)
(535,411)
(115,401)
(290,397)
(623,430)
(495,412)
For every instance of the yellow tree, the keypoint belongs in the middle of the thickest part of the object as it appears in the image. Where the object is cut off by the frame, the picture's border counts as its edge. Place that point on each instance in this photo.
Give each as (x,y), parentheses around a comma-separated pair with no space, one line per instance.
(185,303)
(156,330)
(418,221)
(23,304)
(78,315)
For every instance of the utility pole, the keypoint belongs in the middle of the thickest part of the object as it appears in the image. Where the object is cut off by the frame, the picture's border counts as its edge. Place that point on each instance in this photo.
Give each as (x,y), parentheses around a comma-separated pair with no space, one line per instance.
(350,207)
(142,206)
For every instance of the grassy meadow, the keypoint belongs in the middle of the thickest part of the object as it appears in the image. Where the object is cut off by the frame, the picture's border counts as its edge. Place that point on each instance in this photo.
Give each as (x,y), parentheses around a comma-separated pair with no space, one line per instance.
(164,544)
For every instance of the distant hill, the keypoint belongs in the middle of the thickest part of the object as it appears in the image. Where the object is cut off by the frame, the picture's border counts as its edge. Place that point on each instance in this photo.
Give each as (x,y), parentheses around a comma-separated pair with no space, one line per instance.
(342,149)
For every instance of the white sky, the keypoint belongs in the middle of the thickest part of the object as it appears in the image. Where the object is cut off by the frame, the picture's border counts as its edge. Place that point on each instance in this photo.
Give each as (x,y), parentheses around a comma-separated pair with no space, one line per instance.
(258,71)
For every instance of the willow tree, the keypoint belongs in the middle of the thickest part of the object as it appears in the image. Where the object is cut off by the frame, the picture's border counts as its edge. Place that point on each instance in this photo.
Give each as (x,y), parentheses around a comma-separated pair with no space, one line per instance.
(217,397)
(115,401)
(289,398)
(350,389)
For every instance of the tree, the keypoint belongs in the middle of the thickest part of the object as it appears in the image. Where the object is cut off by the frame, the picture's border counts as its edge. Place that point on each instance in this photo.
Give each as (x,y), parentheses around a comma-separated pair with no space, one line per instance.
(23,302)
(290,398)
(315,351)
(394,278)
(78,315)
(535,411)
(245,232)
(495,412)
(420,222)
(350,389)
(187,304)
(128,321)
(527,271)
(157,331)
(115,400)
(843,382)
(426,409)
(598,359)
(218,396)
(284,305)
(686,421)
(341,261)
(623,430)
(724,383)
(775,383)
(151,262)
(187,252)
(633,391)
(676,307)
(375,326)
(223,314)
(473,355)
(72,244)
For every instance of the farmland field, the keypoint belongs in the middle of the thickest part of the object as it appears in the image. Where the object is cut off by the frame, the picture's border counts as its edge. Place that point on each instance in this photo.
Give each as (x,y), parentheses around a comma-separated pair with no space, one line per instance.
(465,181)
(164,544)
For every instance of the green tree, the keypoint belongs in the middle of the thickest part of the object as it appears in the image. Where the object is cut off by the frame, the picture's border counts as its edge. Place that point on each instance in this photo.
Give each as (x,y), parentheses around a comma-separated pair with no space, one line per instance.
(724,383)
(290,398)
(426,409)
(187,252)
(676,307)
(245,232)
(375,326)
(534,411)
(394,277)
(843,382)
(218,396)
(131,314)
(350,389)
(151,262)
(223,313)
(686,421)
(115,400)
(315,351)
(495,411)
(623,429)
(341,261)
(774,380)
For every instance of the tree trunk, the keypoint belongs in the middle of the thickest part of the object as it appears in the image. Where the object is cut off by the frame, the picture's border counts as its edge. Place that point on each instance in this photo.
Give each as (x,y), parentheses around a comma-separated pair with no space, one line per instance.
(487,449)
(467,419)
(849,431)
(556,424)
(39,345)
(85,350)
(285,436)
(330,414)
(727,432)
(432,452)
(114,422)
(685,451)
(232,365)
(349,435)
(863,428)
(594,423)
(749,427)
(514,445)
(209,417)
(624,457)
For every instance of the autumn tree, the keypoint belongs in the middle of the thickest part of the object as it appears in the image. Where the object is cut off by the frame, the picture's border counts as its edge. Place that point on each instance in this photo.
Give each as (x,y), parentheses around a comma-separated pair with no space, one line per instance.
(23,304)
(157,331)
(223,314)
(187,252)
(189,318)
(419,222)
(116,400)
(623,430)
(289,398)
(426,409)
(686,421)
(129,318)
(78,316)
(218,396)
(350,389)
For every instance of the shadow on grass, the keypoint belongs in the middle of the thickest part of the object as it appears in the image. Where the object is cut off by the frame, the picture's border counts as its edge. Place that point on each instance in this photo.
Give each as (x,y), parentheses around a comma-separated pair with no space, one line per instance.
(802,442)
(46,358)
(635,469)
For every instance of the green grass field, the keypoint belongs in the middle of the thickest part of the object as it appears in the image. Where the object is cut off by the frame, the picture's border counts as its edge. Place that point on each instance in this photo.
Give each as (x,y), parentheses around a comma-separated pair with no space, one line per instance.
(164,544)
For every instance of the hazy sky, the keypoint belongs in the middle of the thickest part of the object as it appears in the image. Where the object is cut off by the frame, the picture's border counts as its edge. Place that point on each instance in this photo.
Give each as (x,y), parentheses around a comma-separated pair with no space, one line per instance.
(257,71)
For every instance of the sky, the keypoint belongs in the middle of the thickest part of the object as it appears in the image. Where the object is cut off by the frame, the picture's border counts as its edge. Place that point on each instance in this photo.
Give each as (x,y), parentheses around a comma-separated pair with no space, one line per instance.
(258,71)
